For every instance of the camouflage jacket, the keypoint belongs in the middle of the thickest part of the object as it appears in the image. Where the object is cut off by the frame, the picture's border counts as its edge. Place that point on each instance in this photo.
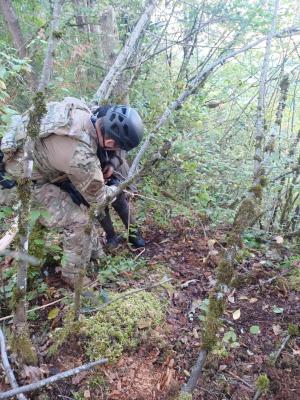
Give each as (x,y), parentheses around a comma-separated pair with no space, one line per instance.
(71,154)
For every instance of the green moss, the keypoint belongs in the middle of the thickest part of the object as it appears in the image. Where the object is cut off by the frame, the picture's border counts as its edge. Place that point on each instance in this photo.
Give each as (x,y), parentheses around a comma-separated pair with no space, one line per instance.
(36,114)
(212,321)
(18,295)
(294,280)
(263,383)
(37,242)
(263,180)
(122,324)
(257,190)
(242,255)
(21,344)
(61,335)
(245,216)
(225,272)
(57,34)
(293,330)
(185,396)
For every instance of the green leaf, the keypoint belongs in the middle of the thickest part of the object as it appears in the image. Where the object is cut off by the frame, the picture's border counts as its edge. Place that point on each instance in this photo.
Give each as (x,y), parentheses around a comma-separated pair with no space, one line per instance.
(53,313)
(277,310)
(229,337)
(255,329)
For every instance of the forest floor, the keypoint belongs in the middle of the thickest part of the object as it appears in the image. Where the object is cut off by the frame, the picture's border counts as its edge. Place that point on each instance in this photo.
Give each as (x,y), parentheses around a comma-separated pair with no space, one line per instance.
(255,323)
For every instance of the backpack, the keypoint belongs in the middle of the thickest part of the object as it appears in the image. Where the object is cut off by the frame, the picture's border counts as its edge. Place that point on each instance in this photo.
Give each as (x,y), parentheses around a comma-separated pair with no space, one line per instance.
(57,120)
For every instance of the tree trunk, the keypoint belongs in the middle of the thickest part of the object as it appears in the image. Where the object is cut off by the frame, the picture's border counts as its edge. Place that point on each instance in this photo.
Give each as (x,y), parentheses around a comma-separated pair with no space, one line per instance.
(14,28)
(110,45)
(13,25)
(21,338)
(116,70)
(52,43)
(80,19)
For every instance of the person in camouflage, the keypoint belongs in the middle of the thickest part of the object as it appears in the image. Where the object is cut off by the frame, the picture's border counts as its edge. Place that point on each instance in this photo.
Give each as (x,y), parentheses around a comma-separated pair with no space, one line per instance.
(70,154)
(115,168)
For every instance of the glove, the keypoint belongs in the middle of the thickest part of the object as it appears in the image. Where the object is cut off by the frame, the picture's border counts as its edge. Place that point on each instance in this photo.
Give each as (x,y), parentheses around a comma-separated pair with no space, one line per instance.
(113,181)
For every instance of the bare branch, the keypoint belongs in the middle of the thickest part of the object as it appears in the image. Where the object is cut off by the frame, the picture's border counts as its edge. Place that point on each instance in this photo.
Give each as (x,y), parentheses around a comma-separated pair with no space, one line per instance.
(7,368)
(52,379)
(9,236)
(128,294)
(195,373)
(121,61)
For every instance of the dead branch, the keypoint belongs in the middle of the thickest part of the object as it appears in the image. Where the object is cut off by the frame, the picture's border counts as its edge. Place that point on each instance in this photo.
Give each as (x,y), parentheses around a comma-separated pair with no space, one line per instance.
(239,379)
(270,280)
(291,235)
(281,348)
(52,379)
(125,295)
(9,236)
(20,256)
(195,373)
(257,395)
(121,61)
(7,368)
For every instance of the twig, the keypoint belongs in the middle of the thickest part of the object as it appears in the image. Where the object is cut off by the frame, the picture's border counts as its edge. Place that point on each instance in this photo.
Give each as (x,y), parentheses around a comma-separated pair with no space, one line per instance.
(270,280)
(52,379)
(123,296)
(49,304)
(290,235)
(9,235)
(139,255)
(7,368)
(239,379)
(20,256)
(281,348)
(195,373)
(257,395)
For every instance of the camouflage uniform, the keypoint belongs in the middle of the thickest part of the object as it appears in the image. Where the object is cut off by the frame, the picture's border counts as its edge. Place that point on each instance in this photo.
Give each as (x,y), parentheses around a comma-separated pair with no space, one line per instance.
(59,157)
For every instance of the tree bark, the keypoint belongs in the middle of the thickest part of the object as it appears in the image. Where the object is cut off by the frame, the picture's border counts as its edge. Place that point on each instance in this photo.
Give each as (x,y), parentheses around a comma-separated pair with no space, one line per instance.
(21,339)
(110,44)
(80,19)
(7,368)
(260,118)
(111,79)
(13,25)
(52,43)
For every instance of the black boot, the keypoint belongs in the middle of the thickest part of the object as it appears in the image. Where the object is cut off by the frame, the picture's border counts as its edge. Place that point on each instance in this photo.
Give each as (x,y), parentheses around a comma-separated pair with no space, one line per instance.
(136,239)
(112,239)
(122,208)
(114,242)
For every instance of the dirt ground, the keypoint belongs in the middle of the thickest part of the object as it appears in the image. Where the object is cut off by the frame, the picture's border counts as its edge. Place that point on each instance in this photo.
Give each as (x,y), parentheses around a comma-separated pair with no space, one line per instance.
(154,371)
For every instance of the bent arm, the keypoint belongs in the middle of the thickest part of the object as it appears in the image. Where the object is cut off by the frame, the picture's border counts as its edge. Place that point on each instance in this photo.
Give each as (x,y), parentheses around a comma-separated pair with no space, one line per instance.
(86,175)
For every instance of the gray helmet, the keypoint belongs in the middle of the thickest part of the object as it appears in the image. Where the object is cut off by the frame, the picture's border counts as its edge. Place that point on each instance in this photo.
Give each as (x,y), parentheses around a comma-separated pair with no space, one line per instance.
(123,124)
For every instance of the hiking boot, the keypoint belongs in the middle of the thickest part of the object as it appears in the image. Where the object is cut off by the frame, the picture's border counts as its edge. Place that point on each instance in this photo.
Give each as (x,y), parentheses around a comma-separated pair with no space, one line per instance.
(114,242)
(136,239)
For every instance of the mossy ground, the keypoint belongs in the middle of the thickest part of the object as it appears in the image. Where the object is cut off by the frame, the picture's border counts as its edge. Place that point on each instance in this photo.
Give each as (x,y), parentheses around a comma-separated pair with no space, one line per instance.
(294,280)
(122,325)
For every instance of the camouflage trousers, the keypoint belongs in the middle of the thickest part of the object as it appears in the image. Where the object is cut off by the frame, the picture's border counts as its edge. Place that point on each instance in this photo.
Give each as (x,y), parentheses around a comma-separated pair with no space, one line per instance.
(61,212)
